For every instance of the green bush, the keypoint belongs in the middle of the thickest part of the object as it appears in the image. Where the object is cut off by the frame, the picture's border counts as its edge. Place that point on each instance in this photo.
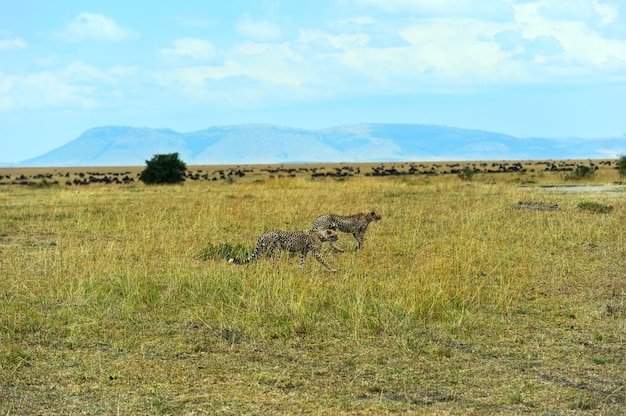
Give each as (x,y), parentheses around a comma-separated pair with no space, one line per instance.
(595,207)
(621,166)
(581,172)
(166,168)
(467,174)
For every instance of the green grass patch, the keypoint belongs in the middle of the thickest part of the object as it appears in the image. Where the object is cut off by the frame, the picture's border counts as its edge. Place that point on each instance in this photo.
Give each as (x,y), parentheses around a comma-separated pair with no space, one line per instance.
(223,251)
(594,207)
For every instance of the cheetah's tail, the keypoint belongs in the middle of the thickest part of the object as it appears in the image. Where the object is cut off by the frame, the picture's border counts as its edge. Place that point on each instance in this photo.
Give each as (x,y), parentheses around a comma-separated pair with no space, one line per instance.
(239,262)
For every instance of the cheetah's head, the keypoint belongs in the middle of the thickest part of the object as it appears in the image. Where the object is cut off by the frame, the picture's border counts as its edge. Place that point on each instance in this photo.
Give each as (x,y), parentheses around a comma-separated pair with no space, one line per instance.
(373,216)
(329,235)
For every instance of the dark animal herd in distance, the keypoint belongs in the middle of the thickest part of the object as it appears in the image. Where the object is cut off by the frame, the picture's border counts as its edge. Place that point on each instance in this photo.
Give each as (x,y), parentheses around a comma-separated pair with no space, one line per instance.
(129,175)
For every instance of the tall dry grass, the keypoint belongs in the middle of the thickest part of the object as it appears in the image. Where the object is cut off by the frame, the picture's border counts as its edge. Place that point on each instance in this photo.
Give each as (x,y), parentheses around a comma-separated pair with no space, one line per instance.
(441,249)
(130,267)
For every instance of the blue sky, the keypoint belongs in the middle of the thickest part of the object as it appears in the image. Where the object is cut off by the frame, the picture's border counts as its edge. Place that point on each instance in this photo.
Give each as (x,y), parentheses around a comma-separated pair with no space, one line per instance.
(549,68)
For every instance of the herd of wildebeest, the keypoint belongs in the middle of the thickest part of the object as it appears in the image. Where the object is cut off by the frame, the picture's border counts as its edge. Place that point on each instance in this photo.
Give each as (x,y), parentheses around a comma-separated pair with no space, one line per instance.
(87,176)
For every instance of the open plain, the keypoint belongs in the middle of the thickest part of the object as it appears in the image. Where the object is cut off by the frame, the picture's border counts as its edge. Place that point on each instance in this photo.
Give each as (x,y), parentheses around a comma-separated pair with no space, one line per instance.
(492,290)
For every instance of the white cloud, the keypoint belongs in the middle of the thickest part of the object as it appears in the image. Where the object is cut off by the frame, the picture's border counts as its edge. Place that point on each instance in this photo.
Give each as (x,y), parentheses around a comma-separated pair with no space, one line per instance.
(460,50)
(416,6)
(276,64)
(195,77)
(77,85)
(270,63)
(7,102)
(441,8)
(404,53)
(40,90)
(591,11)
(608,13)
(9,42)
(93,26)
(259,30)
(582,46)
(198,49)
(343,41)
(359,20)
(447,54)
(81,72)
(206,84)
(250,74)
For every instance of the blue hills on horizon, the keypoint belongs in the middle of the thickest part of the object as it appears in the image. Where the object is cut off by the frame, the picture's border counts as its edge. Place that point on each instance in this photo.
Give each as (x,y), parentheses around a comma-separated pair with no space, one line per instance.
(270,144)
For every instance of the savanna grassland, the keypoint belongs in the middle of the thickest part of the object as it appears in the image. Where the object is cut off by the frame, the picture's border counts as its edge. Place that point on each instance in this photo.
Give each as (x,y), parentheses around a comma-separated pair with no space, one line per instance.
(503,294)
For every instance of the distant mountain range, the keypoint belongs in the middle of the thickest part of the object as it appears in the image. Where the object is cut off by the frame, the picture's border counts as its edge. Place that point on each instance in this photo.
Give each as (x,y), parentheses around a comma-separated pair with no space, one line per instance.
(265,144)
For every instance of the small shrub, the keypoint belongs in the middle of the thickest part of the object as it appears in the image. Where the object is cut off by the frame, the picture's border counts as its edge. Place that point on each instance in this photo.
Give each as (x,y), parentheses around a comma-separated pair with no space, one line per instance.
(595,207)
(581,172)
(467,174)
(621,166)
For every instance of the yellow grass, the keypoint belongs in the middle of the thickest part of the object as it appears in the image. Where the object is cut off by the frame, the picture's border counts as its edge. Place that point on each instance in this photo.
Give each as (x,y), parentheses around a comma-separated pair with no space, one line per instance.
(115,299)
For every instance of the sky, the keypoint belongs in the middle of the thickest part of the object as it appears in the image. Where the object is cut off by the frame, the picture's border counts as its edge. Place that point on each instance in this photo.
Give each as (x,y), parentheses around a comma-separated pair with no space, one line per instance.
(543,68)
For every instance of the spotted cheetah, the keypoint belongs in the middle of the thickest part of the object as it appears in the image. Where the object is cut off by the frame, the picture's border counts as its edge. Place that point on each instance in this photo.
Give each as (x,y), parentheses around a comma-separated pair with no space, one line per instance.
(352,224)
(293,241)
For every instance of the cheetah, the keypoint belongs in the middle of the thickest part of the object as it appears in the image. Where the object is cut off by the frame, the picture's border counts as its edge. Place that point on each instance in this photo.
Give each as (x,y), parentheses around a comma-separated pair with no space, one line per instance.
(293,241)
(352,224)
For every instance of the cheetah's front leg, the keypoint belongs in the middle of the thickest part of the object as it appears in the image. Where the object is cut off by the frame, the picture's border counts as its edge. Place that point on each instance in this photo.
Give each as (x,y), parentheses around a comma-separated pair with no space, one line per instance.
(319,258)
(360,238)
(275,254)
(333,244)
